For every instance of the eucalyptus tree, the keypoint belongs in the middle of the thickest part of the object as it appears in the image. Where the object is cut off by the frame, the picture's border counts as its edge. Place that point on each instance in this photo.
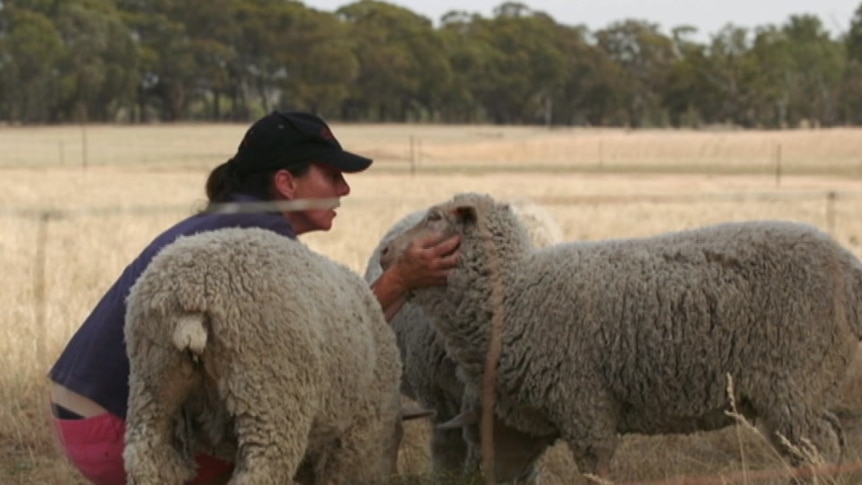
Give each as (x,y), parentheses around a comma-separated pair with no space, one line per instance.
(646,56)
(589,93)
(186,54)
(853,38)
(404,70)
(469,60)
(818,65)
(291,57)
(521,67)
(212,32)
(731,74)
(852,82)
(66,61)
(99,71)
(688,92)
(771,80)
(795,74)
(30,48)
(320,62)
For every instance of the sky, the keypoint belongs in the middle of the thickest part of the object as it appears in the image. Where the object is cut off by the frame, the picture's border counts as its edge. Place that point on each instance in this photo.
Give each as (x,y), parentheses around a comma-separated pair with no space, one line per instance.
(708,16)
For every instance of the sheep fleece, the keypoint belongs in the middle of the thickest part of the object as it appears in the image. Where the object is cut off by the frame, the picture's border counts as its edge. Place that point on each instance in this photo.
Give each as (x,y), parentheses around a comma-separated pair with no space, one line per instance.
(639,335)
(429,374)
(279,354)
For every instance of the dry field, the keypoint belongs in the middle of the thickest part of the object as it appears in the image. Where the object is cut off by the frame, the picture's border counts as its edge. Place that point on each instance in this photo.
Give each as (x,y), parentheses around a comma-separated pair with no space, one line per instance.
(109,190)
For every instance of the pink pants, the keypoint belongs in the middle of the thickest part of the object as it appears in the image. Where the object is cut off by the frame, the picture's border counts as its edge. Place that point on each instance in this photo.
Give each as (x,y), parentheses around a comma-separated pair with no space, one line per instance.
(95,446)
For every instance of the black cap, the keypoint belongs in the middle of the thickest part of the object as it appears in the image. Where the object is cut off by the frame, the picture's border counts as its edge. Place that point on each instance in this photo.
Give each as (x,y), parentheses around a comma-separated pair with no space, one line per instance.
(290,139)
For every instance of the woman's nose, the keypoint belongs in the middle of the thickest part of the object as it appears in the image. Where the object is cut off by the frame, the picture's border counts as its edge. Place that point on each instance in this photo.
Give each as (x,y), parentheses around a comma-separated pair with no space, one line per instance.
(343,187)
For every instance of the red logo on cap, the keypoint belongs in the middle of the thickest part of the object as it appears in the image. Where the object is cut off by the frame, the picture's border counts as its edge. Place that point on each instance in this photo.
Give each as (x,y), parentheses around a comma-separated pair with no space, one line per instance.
(325,132)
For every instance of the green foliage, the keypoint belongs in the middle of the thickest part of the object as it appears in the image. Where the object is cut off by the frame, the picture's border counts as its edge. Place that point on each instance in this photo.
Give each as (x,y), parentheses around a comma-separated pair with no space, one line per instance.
(29,47)
(646,57)
(139,60)
(99,70)
(854,37)
(402,64)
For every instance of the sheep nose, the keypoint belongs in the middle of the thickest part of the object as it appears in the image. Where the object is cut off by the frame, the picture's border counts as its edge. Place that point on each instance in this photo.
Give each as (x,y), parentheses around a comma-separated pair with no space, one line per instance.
(385,250)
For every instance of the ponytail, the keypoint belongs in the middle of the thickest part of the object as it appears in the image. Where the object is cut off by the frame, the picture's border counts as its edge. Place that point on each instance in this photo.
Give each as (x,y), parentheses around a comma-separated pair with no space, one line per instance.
(224,181)
(219,184)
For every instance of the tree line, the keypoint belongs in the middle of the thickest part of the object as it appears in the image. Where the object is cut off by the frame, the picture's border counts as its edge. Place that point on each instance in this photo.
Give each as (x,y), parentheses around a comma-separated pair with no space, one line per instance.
(64,61)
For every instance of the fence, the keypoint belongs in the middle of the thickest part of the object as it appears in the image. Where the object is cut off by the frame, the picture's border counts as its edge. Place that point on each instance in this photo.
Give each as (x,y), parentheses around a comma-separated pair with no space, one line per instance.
(427,148)
(45,217)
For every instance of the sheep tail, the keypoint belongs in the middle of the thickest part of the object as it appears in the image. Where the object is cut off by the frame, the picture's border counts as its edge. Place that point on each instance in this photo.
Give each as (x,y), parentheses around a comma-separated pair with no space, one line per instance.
(190,334)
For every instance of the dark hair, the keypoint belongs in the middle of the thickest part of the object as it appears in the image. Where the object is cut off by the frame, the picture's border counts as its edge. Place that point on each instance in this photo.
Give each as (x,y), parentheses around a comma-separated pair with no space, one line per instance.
(224,181)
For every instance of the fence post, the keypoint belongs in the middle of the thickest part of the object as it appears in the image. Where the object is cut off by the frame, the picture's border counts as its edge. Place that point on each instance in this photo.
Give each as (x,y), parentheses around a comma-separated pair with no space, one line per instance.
(601,153)
(778,164)
(412,155)
(830,211)
(39,286)
(84,151)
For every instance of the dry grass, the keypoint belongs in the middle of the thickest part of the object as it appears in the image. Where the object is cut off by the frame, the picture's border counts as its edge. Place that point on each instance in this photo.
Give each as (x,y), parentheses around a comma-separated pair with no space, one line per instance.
(432,148)
(721,177)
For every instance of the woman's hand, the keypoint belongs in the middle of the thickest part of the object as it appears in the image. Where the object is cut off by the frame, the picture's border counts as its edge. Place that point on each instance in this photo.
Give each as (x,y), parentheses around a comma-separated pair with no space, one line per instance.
(426,262)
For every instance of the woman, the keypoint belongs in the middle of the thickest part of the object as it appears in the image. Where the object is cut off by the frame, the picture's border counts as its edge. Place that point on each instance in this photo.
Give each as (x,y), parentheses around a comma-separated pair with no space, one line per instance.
(283,157)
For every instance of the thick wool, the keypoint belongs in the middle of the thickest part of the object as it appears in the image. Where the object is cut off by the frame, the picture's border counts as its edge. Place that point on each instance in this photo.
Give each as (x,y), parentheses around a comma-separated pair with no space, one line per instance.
(640,335)
(248,345)
(430,375)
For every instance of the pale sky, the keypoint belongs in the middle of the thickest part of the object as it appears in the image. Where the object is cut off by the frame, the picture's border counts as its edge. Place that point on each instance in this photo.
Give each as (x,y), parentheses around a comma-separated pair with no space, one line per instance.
(709,16)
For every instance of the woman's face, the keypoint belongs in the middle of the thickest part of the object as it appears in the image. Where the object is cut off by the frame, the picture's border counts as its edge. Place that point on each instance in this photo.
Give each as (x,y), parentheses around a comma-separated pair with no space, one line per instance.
(320,182)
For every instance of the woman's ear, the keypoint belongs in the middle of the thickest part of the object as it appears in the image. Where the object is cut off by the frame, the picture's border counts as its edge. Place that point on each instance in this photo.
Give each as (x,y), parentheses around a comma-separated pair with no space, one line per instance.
(285,184)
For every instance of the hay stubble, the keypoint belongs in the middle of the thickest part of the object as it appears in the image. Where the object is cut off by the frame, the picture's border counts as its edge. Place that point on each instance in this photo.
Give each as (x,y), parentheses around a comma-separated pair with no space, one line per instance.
(165,167)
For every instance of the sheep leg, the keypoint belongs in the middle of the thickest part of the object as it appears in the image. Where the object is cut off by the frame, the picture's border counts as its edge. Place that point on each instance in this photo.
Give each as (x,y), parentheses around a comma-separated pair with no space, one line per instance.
(800,424)
(472,436)
(448,452)
(591,434)
(515,453)
(355,459)
(593,457)
(271,443)
(157,391)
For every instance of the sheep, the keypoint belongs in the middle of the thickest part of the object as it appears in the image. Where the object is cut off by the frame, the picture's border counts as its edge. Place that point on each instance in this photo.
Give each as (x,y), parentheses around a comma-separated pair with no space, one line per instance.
(248,345)
(606,338)
(429,374)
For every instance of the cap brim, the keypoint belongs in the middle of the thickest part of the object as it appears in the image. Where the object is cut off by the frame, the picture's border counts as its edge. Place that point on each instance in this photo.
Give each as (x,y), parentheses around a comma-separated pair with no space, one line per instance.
(342,160)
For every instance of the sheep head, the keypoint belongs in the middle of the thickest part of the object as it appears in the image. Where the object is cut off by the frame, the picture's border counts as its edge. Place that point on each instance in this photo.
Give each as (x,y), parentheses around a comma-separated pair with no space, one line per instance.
(457,216)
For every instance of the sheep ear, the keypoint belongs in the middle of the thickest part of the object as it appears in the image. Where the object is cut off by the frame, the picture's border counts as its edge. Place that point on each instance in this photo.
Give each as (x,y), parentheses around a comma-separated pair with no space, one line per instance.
(460,421)
(465,214)
(416,413)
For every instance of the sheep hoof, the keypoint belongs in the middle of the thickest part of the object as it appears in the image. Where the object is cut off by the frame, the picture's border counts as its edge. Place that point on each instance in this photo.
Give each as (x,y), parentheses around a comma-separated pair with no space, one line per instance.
(416,413)
(462,420)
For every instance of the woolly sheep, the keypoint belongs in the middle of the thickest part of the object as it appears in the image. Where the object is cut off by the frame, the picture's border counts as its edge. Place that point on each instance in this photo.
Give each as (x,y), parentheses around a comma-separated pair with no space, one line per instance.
(248,345)
(639,335)
(429,374)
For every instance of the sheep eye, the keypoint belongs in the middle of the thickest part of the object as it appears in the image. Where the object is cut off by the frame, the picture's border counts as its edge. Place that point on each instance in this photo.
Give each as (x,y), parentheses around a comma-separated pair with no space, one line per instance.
(434,216)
